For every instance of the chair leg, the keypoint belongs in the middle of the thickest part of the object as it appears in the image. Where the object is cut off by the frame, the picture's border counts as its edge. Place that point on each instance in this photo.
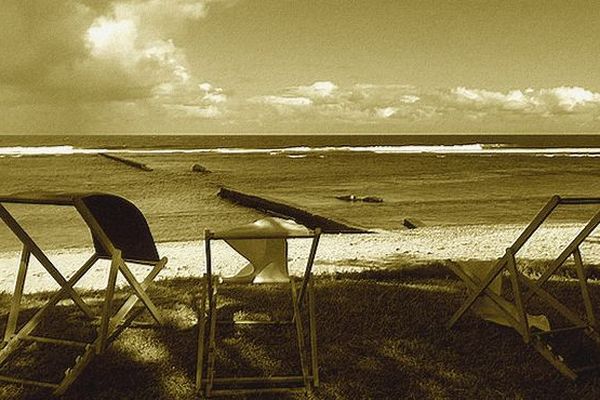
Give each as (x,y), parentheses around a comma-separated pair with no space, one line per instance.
(585,293)
(201,333)
(11,325)
(107,306)
(313,334)
(212,344)
(300,334)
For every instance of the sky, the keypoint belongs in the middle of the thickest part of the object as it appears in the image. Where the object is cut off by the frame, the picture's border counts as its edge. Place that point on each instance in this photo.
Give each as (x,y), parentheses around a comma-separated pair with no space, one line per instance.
(299,66)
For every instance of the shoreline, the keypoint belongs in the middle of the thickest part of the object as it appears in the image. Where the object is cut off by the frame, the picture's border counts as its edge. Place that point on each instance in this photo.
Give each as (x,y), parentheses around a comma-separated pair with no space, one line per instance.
(336,253)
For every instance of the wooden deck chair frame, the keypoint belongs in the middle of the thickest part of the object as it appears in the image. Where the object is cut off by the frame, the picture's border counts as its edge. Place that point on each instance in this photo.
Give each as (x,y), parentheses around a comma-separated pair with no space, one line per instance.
(524,288)
(111,324)
(205,377)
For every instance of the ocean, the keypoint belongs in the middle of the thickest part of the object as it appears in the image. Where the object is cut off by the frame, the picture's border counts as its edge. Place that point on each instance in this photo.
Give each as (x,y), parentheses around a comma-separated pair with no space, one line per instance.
(437,179)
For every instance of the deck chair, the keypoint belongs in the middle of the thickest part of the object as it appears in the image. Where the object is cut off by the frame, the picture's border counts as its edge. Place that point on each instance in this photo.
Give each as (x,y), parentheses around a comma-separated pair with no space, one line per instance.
(264,244)
(120,234)
(485,297)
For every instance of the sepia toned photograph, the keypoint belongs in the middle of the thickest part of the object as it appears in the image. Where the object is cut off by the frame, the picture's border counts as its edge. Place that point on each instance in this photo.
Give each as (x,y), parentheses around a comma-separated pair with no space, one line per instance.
(299,199)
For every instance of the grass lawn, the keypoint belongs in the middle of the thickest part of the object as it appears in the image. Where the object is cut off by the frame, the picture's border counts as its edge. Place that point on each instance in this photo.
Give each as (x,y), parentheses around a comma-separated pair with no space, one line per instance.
(381,335)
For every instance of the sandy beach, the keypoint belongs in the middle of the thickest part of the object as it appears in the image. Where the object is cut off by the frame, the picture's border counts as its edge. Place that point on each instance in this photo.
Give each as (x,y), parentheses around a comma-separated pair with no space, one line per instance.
(336,253)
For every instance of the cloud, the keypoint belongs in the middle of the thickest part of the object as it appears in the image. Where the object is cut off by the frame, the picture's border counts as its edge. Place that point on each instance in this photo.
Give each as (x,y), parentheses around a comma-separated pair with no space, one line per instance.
(360,102)
(385,112)
(112,39)
(544,102)
(283,101)
(409,99)
(124,39)
(120,51)
(81,61)
(317,90)
(460,108)
(195,111)
(212,95)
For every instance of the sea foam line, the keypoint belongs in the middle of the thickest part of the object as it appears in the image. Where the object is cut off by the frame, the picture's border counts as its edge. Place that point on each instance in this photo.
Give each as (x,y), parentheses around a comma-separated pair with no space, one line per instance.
(476,148)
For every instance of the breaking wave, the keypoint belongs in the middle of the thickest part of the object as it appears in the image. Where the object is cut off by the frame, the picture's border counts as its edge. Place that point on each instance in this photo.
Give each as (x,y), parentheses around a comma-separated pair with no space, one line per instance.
(475,148)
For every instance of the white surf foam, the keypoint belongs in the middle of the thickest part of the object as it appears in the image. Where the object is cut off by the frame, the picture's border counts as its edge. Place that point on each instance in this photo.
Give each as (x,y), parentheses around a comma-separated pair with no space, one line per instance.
(475,148)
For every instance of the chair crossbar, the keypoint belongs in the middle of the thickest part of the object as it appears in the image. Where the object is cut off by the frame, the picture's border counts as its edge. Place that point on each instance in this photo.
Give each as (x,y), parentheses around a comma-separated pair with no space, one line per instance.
(560,330)
(242,392)
(62,342)
(259,379)
(28,382)
(131,260)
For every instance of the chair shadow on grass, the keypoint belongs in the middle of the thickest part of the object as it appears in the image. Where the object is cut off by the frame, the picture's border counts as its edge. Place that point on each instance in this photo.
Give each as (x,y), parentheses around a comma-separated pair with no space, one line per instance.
(381,334)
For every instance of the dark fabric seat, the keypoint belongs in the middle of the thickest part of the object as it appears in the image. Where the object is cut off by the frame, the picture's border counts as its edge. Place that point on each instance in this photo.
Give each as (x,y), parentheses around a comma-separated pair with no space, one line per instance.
(124,224)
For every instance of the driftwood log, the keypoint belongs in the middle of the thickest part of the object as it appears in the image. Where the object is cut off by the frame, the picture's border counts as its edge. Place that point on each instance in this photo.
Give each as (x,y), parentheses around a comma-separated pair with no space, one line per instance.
(130,163)
(280,209)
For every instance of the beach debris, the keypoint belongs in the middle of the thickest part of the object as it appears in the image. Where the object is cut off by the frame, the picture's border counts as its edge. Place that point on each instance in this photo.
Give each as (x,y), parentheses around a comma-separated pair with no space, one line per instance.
(353,198)
(130,163)
(199,168)
(280,209)
(412,223)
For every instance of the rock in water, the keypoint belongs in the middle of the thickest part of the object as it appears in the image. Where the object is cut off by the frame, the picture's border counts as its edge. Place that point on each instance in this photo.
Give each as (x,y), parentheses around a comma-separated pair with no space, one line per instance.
(412,223)
(348,197)
(372,199)
(199,168)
